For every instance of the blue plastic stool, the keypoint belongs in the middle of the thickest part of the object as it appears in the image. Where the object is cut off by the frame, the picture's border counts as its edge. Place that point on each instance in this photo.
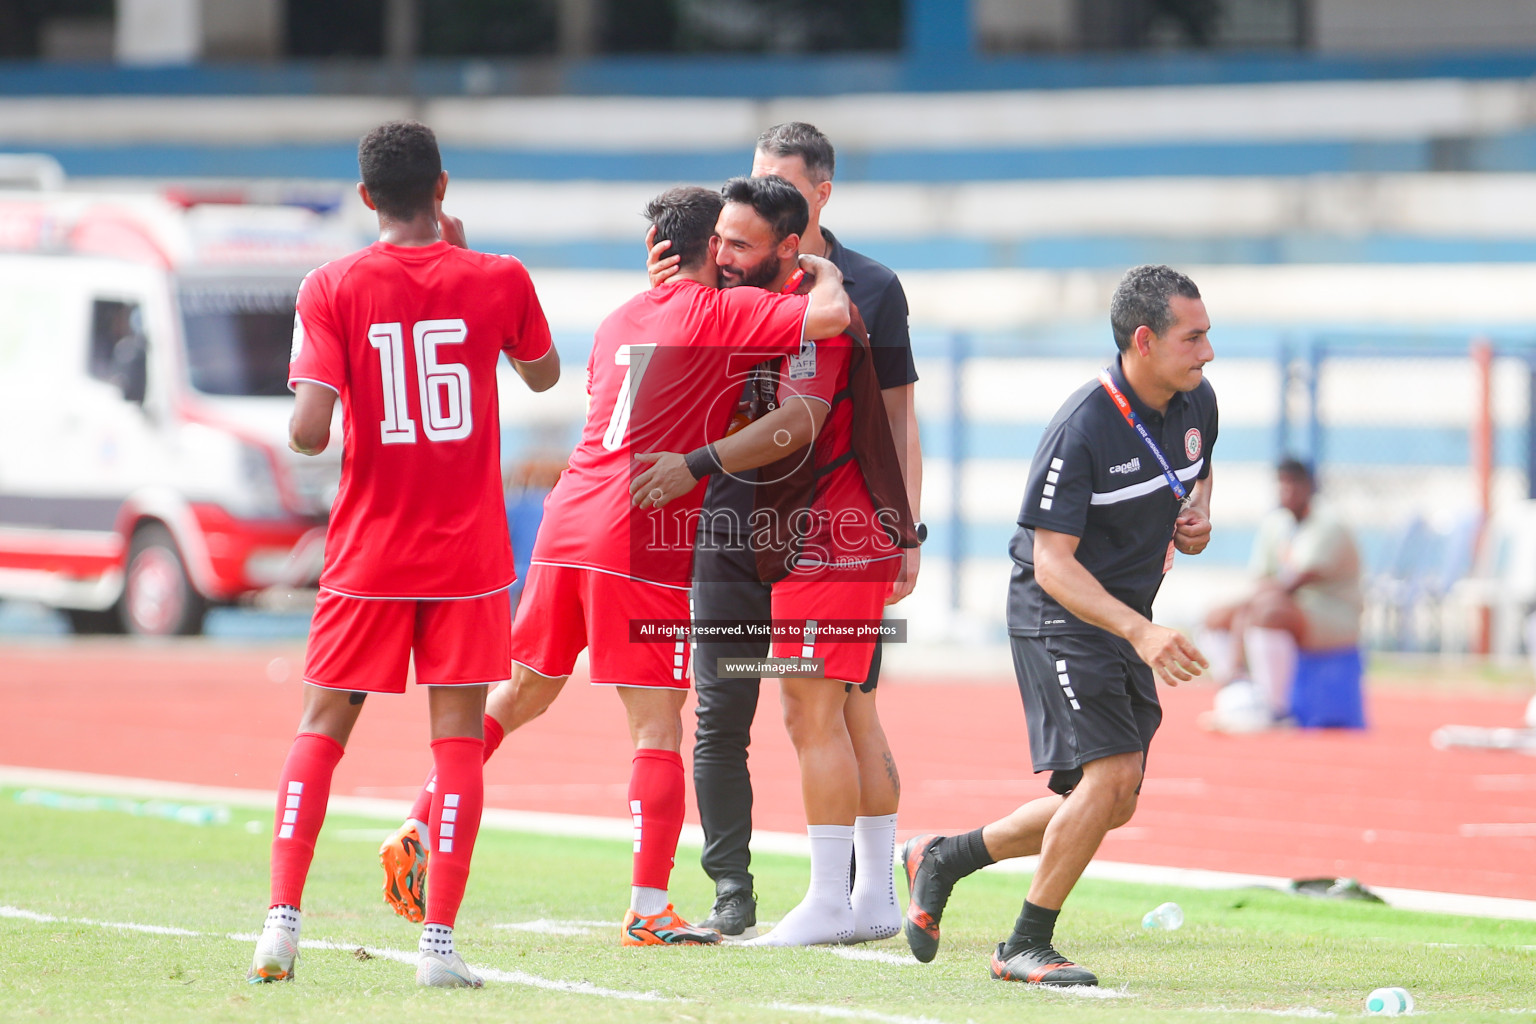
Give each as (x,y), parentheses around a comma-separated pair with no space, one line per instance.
(1325,693)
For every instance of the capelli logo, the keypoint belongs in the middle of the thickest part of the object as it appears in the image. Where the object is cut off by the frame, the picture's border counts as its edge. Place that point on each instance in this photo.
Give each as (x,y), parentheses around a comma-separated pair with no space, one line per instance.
(1127,467)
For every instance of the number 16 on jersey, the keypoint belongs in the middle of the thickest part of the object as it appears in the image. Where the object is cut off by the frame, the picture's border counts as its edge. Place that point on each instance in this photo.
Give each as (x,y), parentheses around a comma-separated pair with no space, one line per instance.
(443,387)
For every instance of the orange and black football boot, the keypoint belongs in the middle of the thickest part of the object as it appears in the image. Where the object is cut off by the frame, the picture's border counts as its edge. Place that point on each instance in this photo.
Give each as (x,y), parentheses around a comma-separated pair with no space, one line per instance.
(405,873)
(664,929)
(1040,965)
(928,891)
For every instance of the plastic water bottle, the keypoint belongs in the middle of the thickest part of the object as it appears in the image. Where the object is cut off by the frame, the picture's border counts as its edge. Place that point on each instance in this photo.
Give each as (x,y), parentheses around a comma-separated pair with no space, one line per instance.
(1389,1002)
(1168,917)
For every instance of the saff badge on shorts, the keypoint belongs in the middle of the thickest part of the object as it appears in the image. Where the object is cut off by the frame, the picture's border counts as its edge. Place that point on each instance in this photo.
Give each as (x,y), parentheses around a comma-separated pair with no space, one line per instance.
(803,365)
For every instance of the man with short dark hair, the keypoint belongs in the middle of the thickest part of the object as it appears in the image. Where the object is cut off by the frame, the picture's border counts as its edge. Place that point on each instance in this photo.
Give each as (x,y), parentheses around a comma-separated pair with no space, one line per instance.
(407,333)
(1121,480)
(726,585)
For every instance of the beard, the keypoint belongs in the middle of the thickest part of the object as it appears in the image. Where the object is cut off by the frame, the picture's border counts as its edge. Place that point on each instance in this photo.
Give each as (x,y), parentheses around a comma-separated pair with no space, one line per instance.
(760,276)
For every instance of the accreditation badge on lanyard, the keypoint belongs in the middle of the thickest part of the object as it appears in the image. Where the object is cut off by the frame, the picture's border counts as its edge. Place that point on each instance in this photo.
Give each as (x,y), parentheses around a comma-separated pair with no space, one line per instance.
(1174,483)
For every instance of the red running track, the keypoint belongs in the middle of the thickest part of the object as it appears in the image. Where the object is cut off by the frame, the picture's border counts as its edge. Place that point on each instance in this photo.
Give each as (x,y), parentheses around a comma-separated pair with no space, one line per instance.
(1382,806)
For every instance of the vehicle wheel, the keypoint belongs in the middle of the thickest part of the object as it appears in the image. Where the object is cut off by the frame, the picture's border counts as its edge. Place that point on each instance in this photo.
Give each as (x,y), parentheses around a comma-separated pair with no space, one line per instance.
(158,596)
(87,622)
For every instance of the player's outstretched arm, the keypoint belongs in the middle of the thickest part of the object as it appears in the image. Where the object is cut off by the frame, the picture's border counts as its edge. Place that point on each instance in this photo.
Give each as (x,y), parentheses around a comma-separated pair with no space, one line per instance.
(784,431)
(539,374)
(309,431)
(1172,657)
(828,314)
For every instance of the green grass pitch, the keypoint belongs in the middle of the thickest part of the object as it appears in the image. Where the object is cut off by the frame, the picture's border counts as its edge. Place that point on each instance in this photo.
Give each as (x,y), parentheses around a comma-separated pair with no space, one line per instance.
(76,878)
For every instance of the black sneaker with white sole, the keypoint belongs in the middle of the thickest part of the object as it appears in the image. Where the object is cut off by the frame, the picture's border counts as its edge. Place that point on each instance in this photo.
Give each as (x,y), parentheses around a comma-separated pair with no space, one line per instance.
(734,914)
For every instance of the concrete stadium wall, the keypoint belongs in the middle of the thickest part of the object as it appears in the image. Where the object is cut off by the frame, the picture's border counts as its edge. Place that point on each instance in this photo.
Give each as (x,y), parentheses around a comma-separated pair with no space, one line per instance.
(1366,26)
(929,121)
(969,226)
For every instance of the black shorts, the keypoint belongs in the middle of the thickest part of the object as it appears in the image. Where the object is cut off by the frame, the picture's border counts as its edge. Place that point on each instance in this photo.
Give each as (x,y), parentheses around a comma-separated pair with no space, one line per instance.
(1086,696)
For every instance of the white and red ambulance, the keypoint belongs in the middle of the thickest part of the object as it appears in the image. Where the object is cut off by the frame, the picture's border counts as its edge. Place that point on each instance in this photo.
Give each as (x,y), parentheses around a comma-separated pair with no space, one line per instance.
(144,468)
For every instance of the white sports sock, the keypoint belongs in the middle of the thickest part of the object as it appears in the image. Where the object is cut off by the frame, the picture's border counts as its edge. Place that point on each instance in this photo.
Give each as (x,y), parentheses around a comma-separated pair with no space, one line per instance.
(646,900)
(825,915)
(283,917)
(1272,664)
(423,832)
(436,938)
(876,914)
(1220,650)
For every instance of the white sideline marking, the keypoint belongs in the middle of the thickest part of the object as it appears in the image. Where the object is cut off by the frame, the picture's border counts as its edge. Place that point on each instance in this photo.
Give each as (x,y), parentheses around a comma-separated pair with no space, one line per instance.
(1086,991)
(26,915)
(584,988)
(544,926)
(875,955)
(845,1013)
(583,826)
(152,929)
(1297,1011)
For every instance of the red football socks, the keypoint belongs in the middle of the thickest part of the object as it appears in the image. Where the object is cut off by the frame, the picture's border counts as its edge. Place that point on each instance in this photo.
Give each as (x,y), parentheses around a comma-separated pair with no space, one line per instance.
(421,810)
(656,798)
(455,821)
(302,793)
(494,734)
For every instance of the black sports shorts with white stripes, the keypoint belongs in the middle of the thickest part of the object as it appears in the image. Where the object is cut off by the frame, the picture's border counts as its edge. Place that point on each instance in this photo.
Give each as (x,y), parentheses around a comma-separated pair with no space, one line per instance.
(1086,696)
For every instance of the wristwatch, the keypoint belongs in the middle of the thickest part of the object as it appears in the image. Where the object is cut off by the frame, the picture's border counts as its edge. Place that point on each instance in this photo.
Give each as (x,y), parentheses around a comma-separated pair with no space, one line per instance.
(921,529)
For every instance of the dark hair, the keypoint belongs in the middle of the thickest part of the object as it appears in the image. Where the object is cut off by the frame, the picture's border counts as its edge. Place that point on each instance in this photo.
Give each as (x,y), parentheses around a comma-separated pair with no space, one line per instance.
(775,200)
(1294,467)
(686,216)
(400,165)
(1141,300)
(796,138)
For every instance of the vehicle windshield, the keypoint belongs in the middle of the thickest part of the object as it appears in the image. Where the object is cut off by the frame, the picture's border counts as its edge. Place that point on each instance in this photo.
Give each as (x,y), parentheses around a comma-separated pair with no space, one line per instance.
(238,335)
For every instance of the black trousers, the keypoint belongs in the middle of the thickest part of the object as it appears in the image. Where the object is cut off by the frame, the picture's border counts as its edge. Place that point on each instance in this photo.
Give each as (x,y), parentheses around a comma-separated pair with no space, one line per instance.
(726,587)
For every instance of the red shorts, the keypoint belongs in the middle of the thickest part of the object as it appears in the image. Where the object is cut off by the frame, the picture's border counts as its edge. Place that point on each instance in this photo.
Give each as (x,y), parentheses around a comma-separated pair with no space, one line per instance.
(819,595)
(360,643)
(565,609)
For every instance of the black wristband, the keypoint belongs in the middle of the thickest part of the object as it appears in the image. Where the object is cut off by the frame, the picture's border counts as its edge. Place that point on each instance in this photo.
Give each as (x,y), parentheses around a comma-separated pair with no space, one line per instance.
(702,461)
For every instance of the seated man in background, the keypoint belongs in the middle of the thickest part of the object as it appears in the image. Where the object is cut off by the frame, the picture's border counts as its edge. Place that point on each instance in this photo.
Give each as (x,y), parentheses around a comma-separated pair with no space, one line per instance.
(1307,598)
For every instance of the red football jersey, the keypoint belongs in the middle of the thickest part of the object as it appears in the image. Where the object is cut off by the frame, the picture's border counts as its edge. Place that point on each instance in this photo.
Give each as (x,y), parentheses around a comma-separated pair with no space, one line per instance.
(842,531)
(666,371)
(409,338)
